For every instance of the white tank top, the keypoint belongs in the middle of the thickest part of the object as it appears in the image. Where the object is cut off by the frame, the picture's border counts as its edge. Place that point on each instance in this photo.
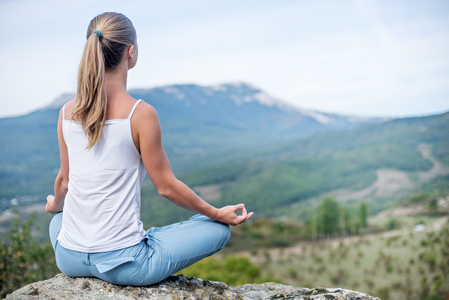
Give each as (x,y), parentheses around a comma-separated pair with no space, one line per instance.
(102,205)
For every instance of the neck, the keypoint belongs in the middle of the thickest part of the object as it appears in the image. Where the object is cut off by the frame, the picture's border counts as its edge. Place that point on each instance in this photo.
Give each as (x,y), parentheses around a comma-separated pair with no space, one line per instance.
(116,82)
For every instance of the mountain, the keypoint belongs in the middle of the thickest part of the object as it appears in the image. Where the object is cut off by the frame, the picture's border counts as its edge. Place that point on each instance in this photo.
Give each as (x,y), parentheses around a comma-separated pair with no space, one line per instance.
(229,116)
(198,123)
(238,103)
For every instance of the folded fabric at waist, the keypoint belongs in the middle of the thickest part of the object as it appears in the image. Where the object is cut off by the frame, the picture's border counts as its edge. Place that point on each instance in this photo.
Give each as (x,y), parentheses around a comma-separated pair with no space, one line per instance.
(113,263)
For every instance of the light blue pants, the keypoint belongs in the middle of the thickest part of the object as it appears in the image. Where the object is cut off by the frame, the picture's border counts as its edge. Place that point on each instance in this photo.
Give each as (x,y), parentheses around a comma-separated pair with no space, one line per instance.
(165,251)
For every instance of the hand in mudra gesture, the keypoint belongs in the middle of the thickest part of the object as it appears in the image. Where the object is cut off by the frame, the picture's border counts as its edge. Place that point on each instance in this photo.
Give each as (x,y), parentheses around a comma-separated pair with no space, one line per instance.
(228,214)
(53,206)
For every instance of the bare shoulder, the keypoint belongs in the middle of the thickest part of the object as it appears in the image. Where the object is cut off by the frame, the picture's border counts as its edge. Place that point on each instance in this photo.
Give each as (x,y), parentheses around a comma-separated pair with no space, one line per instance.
(67,109)
(70,104)
(145,111)
(145,115)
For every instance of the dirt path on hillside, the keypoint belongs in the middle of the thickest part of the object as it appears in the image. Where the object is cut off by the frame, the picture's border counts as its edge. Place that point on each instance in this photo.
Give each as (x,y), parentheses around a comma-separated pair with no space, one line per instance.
(389,182)
(209,192)
(393,183)
(437,168)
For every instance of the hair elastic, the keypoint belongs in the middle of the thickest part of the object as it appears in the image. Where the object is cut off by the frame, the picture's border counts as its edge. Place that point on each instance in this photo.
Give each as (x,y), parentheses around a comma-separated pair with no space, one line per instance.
(98,32)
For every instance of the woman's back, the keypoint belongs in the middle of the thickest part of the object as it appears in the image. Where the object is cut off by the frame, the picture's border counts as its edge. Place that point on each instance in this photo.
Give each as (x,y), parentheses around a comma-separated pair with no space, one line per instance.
(102,206)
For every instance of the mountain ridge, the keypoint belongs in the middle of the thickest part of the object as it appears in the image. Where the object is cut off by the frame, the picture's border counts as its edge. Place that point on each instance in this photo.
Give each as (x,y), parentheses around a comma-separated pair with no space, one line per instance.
(237,89)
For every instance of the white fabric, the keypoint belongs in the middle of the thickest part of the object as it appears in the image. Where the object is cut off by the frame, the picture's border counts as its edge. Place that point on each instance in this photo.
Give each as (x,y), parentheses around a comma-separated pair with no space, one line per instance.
(102,206)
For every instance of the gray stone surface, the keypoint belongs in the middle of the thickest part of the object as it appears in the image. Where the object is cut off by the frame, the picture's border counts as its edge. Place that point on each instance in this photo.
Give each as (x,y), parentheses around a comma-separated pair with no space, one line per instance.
(175,287)
(270,290)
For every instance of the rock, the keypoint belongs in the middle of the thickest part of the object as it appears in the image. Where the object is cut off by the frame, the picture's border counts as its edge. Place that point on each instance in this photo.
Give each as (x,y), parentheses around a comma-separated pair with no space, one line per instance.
(271,291)
(174,287)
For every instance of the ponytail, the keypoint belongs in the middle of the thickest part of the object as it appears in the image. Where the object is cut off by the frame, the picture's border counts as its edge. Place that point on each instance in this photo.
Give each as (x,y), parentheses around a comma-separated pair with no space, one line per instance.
(91,100)
(108,36)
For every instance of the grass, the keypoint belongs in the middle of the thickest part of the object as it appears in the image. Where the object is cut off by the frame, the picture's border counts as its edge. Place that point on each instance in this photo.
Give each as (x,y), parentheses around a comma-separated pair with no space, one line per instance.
(396,264)
(399,263)
(410,266)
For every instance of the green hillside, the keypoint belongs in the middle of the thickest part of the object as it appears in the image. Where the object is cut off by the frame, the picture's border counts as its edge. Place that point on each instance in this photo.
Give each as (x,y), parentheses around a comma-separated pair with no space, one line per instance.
(283,181)
(29,156)
(199,124)
(378,162)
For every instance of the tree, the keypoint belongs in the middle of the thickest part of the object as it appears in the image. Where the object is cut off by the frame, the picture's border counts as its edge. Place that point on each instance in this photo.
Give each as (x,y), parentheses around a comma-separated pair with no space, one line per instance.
(363,214)
(328,219)
(348,220)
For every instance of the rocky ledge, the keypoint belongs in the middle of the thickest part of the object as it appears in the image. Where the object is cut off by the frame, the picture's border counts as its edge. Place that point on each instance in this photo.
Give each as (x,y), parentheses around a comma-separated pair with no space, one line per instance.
(175,287)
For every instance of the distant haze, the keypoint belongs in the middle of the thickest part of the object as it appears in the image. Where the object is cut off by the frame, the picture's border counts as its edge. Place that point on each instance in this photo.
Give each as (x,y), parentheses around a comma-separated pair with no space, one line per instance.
(362,58)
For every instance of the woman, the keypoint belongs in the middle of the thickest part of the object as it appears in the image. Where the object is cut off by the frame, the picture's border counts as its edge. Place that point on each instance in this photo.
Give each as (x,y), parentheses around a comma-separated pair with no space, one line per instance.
(107,141)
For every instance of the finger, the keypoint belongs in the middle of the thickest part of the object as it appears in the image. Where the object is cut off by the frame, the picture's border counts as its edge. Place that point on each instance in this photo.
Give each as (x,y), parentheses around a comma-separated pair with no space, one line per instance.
(238,207)
(240,220)
(243,218)
(244,212)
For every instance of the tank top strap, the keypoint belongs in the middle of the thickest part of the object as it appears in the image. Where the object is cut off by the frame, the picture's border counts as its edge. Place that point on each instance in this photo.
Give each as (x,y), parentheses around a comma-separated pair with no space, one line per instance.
(63,112)
(134,108)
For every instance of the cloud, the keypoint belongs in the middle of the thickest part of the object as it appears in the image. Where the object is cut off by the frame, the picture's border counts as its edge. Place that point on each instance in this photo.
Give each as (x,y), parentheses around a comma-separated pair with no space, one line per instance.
(348,56)
(370,13)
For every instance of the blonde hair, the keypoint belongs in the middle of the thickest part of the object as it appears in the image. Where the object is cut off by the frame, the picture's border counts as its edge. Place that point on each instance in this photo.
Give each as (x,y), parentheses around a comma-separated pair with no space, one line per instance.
(103,52)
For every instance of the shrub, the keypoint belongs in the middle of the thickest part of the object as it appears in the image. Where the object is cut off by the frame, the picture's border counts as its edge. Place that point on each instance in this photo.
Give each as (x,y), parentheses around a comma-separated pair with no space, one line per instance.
(23,259)
(234,270)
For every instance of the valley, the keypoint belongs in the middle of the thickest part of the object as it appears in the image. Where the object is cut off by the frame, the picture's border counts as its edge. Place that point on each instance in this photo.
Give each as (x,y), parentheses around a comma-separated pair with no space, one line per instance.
(233,143)
(392,183)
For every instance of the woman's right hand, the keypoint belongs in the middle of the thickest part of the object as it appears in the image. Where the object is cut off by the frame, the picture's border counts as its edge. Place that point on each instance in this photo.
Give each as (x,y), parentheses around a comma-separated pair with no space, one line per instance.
(228,215)
(52,206)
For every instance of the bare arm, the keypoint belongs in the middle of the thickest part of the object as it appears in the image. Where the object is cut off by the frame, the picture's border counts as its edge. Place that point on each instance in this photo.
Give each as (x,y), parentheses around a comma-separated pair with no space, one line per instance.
(55,203)
(147,136)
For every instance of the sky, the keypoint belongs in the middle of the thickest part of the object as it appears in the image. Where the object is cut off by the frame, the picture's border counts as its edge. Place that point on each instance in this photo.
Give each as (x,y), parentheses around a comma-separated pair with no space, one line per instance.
(354,57)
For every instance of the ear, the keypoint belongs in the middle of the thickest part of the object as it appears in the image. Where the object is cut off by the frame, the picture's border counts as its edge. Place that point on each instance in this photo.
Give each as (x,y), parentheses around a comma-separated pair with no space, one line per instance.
(131,56)
(130,52)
